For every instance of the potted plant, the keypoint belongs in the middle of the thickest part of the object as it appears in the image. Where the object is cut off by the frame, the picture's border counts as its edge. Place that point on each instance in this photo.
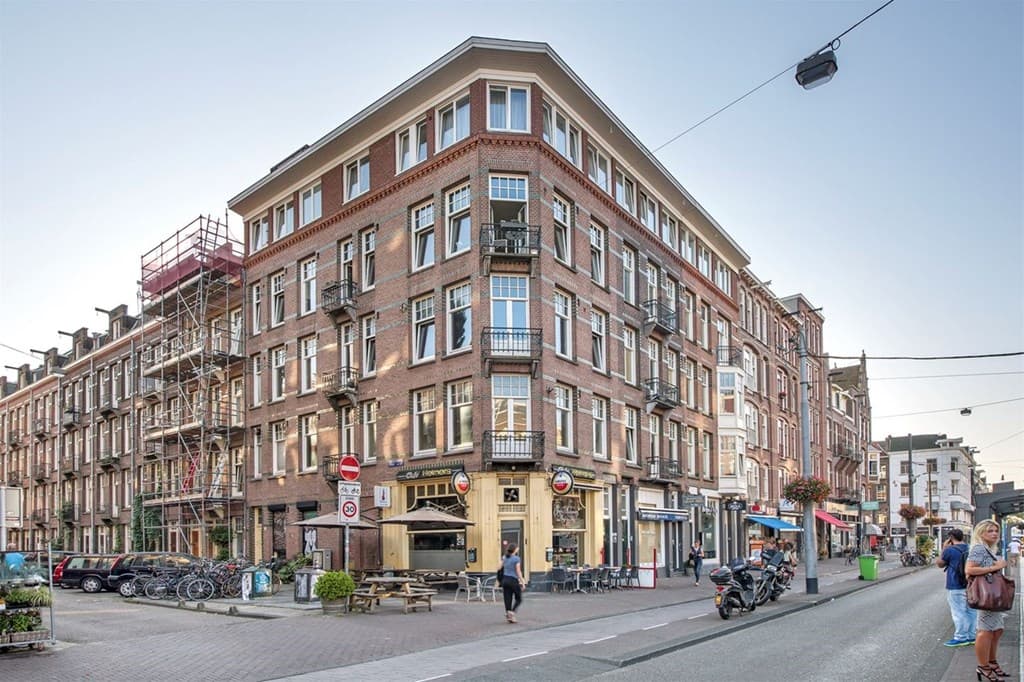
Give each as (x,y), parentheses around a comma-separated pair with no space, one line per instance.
(807,490)
(334,588)
(910,512)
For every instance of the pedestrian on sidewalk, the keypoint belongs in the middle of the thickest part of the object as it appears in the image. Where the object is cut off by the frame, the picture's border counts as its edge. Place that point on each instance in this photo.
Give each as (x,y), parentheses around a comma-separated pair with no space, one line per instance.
(512,582)
(697,559)
(952,561)
(982,559)
(1013,553)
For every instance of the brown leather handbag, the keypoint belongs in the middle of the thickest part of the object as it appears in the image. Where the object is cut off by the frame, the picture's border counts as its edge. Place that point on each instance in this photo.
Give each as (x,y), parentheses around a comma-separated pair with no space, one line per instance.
(990,592)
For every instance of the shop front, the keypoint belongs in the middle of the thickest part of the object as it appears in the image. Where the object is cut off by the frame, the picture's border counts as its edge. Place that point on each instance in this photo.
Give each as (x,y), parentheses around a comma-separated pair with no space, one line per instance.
(836,533)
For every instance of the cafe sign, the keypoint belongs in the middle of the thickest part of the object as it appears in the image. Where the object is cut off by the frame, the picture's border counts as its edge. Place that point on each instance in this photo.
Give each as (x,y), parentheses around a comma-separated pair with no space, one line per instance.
(460,482)
(562,482)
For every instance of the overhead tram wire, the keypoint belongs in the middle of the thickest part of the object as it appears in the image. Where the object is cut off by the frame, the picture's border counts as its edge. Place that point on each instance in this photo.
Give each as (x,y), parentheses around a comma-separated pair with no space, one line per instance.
(835,41)
(977,356)
(947,376)
(948,409)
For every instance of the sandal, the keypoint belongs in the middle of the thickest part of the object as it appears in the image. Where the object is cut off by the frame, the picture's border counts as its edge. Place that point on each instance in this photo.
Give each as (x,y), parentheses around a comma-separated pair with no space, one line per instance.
(994,667)
(986,672)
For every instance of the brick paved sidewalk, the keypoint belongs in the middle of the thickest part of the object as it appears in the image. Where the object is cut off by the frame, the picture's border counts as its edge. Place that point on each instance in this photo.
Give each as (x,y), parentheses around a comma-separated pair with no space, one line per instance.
(965,662)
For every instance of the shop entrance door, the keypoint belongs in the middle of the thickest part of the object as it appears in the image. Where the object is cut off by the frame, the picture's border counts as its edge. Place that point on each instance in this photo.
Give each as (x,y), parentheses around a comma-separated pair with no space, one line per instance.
(512,531)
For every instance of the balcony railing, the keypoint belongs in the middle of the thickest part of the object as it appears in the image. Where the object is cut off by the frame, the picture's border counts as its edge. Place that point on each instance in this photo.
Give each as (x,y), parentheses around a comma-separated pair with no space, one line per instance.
(661,393)
(846,494)
(14,478)
(69,513)
(329,467)
(108,459)
(41,472)
(500,344)
(70,418)
(339,296)
(69,467)
(108,407)
(153,450)
(509,239)
(340,383)
(40,517)
(662,468)
(661,315)
(105,512)
(151,388)
(513,447)
(13,437)
(730,356)
(41,428)
(846,452)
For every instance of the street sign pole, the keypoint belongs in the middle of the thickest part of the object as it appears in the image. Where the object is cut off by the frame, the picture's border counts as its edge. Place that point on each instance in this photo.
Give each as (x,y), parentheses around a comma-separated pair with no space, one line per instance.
(348,509)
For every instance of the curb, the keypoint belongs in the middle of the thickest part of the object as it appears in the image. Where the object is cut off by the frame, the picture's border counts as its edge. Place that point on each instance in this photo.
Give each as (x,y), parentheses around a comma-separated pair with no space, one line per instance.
(203,608)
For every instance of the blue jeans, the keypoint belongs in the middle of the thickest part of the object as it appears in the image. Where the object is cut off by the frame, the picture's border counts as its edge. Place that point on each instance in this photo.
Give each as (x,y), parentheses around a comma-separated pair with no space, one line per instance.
(964,617)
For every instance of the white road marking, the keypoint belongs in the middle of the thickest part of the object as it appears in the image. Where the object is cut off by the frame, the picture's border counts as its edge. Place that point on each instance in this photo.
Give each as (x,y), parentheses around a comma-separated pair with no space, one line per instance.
(697,616)
(516,658)
(595,641)
(435,677)
(652,627)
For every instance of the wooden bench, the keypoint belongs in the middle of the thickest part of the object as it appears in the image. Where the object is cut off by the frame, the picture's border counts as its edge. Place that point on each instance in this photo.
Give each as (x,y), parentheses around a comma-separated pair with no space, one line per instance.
(364,600)
(416,597)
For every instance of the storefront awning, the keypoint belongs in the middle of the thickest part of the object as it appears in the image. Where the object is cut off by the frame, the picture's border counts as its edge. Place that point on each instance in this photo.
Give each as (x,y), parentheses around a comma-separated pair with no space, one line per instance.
(657,514)
(773,522)
(872,529)
(828,518)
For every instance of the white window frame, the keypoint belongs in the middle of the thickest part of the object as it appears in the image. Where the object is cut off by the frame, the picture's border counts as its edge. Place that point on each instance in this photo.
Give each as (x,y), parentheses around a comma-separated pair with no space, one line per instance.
(629,258)
(598,238)
(599,168)
(424,413)
(257,451)
(459,131)
(277,307)
(307,359)
(284,219)
(357,177)
(630,445)
(424,328)
(257,307)
(648,213)
(368,250)
(599,413)
(460,408)
(279,450)
(307,272)
(457,208)
(563,306)
(369,336)
(423,236)
(459,303)
(625,192)
(417,154)
(562,211)
(311,203)
(308,427)
(629,356)
(257,379)
(368,418)
(278,376)
(562,133)
(563,418)
(599,340)
(259,234)
(508,125)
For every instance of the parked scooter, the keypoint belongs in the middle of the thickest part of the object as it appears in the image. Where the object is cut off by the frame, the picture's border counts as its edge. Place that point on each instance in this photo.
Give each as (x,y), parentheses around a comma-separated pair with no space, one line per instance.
(773,581)
(734,588)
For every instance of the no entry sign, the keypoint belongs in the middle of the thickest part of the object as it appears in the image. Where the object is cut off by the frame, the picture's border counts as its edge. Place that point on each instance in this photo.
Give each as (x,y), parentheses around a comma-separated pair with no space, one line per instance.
(348,468)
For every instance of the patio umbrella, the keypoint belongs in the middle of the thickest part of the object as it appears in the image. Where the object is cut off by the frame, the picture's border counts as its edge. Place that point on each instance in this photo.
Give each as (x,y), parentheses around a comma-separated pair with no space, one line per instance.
(330,520)
(429,515)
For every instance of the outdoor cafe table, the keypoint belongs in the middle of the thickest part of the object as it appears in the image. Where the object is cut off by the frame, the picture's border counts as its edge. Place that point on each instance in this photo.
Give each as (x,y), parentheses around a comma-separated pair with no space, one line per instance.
(578,572)
(400,587)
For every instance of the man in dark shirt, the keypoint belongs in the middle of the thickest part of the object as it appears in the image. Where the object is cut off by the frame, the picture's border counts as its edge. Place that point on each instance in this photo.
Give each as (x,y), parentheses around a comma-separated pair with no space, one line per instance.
(954,554)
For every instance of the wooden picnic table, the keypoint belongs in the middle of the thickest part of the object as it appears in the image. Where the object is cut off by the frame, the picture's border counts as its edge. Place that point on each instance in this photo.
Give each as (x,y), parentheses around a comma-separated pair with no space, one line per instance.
(375,588)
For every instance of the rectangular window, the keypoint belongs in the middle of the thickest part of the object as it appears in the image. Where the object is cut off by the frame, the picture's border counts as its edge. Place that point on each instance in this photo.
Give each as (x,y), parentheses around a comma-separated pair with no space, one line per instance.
(258,233)
(424,409)
(459,224)
(277,298)
(563,418)
(257,379)
(704,261)
(599,411)
(460,414)
(307,378)
(507,108)
(691,451)
(357,178)
(237,401)
(307,442)
(347,430)
(369,240)
(597,254)
(671,365)
(460,318)
(422,236)
(311,206)
(654,437)
(412,146)
(669,231)
(598,325)
(562,211)
(257,308)
(705,321)
(687,244)
(307,271)
(706,454)
(424,342)
(563,324)
(598,168)
(691,380)
(649,213)
(629,360)
(453,122)
(673,442)
(705,390)
(369,410)
(369,345)
(257,451)
(561,133)
(278,430)
(687,316)
(630,416)
(726,393)
(277,377)
(723,277)
(727,465)
(629,274)
(284,220)
(625,192)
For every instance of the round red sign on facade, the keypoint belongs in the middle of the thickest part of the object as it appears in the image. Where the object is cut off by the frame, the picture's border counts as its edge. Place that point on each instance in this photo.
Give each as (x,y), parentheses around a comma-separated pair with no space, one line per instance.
(348,468)
(349,510)
(460,481)
(562,482)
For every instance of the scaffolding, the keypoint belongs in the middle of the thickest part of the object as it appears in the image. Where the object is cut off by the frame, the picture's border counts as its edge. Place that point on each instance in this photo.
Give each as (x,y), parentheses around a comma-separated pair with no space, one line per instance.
(190,378)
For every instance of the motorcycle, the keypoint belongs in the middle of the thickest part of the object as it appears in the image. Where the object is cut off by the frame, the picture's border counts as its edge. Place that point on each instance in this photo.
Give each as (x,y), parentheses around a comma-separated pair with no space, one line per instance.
(774,580)
(908,558)
(734,588)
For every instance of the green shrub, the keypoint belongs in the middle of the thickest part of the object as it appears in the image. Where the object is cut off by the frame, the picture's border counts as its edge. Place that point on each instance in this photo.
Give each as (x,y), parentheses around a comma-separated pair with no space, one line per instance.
(287,571)
(334,585)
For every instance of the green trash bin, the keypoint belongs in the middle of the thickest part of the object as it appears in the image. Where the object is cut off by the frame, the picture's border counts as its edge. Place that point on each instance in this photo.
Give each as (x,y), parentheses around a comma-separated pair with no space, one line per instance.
(868,567)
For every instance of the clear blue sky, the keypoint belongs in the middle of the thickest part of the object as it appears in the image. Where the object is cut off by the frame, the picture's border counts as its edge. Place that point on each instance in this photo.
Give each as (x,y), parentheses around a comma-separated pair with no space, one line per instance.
(891,197)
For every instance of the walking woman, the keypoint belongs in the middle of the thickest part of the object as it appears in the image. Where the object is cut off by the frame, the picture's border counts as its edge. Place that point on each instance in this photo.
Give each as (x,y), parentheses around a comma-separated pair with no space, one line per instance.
(512,584)
(983,559)
(697,557)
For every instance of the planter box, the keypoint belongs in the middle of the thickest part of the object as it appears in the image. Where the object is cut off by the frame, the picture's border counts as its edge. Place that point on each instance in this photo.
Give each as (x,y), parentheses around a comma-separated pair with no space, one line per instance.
(29,637)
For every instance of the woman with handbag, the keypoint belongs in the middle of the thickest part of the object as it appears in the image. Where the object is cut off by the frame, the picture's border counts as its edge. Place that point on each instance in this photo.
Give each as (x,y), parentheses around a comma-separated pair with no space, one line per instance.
(982,560)
(512,581)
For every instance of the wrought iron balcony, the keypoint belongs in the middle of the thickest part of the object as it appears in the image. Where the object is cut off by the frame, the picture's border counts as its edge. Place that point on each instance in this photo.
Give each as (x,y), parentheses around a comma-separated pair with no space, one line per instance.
(153,450)
(513,447)
(108,407)
(329,466)
(850,495)
(14,478)
(844,451)
(518,346)
(731,356)
(108,460)
(105,512)
(14,437)
(41,472)
(70,419)
(662,469)
(510,239)
(40,517)
(150,388)
(340,383)
(69,467)
(69,513)
(661,393)
(339,297)
(41,428)
(660,315)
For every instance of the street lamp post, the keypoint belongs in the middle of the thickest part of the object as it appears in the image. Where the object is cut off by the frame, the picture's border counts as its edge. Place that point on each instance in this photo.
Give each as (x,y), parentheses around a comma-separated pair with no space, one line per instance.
(810,540)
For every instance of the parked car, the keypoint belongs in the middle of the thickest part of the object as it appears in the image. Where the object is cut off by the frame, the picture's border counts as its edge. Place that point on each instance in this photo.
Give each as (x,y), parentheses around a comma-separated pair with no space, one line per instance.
(38,563)
(88,571)
(130,565)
